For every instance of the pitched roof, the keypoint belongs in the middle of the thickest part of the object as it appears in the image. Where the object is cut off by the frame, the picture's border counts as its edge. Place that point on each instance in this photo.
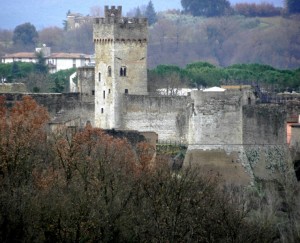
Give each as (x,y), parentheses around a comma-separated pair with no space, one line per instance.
(53,55)
(21,55)
(69,55)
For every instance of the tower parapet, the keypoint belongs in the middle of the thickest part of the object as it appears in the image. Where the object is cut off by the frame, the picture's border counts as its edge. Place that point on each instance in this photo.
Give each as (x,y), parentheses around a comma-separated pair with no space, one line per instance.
(115,27)
(113,12)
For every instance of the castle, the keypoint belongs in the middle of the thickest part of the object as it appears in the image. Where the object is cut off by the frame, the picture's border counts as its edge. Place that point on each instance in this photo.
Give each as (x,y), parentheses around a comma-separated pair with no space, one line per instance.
(227,131)
(221,128)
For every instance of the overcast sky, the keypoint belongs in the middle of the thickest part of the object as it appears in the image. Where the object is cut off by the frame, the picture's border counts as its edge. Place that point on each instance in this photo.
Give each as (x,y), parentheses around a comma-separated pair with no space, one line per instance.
(45,13)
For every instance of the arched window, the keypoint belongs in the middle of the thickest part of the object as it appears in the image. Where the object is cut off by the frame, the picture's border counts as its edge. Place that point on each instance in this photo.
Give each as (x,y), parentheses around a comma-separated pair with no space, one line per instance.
(109,71)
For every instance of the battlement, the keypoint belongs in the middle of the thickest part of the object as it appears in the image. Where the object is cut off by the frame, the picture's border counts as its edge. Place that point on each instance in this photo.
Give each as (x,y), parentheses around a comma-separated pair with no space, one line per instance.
(113,12)
(122,21)
(115,28)
(113,16)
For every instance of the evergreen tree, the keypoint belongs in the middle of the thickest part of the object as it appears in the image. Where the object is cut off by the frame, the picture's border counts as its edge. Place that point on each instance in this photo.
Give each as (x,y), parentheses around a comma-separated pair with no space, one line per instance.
(206,8)
(138,13)
(150,13)
(15,71)
(293,6)
(25,36)
(41,66)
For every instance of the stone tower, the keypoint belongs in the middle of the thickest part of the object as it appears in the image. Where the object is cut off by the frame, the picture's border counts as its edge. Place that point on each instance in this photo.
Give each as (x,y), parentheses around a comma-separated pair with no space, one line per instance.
(120,64)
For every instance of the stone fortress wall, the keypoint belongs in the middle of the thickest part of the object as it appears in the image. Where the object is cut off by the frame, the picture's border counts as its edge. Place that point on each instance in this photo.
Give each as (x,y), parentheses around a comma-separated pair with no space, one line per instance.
(69,106)
(167,116)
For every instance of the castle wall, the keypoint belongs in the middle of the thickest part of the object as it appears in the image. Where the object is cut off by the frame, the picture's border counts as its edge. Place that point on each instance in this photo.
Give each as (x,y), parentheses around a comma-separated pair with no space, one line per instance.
(216,134)
(265,139)
(216,119)
(86,84)
(264,124)
(68,103)
(167,116)
(12,88)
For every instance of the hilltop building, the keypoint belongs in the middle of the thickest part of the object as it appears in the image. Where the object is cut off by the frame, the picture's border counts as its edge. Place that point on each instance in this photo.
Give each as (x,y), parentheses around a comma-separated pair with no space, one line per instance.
(75,20)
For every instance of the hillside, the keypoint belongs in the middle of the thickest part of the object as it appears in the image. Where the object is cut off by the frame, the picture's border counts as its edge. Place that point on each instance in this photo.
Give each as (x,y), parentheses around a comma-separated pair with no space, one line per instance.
(180,39)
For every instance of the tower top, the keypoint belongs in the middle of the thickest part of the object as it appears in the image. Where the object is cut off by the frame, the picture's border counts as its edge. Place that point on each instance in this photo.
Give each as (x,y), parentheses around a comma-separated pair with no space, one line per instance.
(113,12)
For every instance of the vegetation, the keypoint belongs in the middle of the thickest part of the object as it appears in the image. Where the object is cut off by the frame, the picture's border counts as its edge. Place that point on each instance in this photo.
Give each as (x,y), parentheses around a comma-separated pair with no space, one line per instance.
(206,8)
(25,36)
(73,186)
(293,6)
(60,80)
(180,39)
(203,74)
(150,13)
(36,76)
(257,10)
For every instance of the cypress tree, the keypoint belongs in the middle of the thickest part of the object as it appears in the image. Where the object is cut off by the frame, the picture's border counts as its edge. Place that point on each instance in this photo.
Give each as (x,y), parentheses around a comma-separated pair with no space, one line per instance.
(150,13)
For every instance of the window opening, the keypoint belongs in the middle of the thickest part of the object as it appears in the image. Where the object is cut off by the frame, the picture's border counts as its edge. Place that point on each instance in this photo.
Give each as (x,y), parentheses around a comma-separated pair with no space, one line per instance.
(99,77)
(297,169)
(123,71)
(126,91)
(109,71)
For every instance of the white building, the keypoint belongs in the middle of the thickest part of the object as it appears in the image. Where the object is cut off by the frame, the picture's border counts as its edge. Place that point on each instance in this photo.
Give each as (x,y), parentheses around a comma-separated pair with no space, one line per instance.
(55,61)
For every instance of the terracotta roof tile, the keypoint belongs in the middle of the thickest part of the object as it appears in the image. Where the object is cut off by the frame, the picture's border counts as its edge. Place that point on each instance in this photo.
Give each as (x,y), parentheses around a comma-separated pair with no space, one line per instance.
(69,55)
(21,55)
(53,55)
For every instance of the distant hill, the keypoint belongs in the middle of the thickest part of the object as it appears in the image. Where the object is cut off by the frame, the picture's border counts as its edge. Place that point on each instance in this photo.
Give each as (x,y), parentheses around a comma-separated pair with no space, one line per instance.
(224,41)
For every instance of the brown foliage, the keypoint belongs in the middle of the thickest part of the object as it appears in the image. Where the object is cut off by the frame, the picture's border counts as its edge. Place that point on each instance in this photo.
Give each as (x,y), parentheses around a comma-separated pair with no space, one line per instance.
(253,10)
(89,186)
(21,131)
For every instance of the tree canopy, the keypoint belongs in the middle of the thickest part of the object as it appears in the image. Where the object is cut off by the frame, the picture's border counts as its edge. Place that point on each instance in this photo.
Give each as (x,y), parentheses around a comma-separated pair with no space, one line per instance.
(205,74)
(25,35)
(206,8)
(293,6)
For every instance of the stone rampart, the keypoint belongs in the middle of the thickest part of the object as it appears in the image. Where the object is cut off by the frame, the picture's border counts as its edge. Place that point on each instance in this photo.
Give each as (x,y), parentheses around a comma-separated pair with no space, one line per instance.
(12,87)
(166,115)
(216,118)
(264,124)
(67,103)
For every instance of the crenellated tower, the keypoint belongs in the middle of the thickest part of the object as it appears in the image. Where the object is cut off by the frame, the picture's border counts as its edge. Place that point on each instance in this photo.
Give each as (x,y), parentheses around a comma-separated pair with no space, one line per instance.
(120,64)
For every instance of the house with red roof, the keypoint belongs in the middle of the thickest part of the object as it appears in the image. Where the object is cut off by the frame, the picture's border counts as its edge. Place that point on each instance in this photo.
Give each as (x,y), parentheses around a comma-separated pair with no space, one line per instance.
(55,61)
